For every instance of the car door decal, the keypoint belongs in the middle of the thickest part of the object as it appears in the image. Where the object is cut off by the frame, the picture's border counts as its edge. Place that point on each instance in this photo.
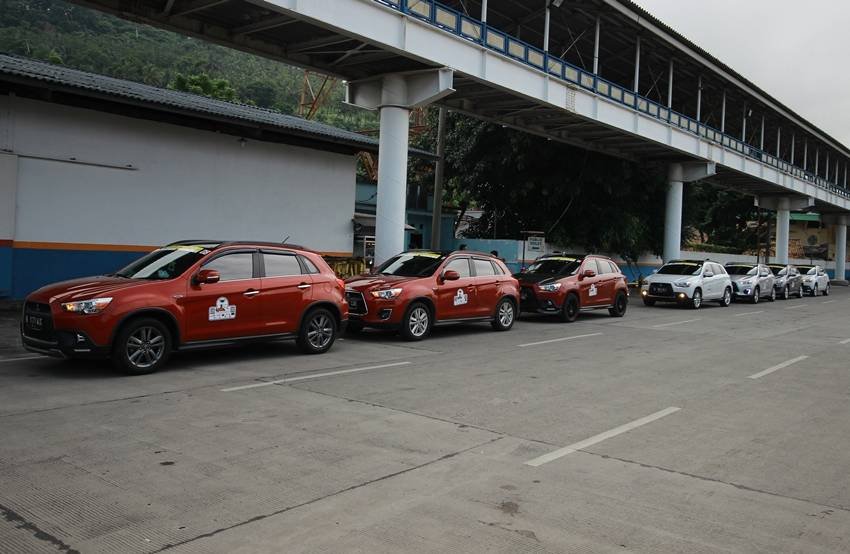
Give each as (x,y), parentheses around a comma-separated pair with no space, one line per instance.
(222,310)
(460,298)
(592,291)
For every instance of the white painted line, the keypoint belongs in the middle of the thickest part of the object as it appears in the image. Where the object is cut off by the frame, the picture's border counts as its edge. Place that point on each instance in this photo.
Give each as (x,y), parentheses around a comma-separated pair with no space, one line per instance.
(777,367)
(675,323)
(558,340)
(749,313)
(827,301)
(845,341)
(23,358)
(795,307)
(313,376)
(560,453)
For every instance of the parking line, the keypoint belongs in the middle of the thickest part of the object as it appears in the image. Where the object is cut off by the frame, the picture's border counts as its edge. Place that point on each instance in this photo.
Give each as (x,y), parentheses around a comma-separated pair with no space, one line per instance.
(560,453)
(314,376)
(22,358)
(675,323)
(827,301)
(777,367)
(558,340)
(749,313)
(845,341)
(795,307)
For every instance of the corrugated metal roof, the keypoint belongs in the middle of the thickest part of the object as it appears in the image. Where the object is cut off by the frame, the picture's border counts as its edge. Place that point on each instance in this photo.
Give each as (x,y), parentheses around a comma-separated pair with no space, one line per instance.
(58,75)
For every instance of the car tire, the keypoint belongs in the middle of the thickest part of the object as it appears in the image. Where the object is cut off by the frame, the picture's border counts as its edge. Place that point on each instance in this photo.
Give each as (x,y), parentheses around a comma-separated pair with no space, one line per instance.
(417,322)
(726,300)
(826,290)
(142,346)
(648,302)
(772,296)
(696,299)
(505,315)
(800,292)
(570,309)
(621,303)
(815,291)
(786,292)
(756,296)
(318,331)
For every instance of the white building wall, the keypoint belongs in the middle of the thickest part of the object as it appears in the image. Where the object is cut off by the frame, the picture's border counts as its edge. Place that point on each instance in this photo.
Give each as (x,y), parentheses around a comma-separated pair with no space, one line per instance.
(136,182)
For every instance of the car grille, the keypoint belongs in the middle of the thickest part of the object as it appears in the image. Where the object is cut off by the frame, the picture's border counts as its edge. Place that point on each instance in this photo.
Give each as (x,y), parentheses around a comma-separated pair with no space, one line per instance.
(38,310)
(527,298)
(356,303)
(661,289)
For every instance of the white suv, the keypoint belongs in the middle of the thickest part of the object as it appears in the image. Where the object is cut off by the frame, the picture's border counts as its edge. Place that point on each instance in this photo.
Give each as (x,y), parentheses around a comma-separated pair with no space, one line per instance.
(815,280)
(688,282)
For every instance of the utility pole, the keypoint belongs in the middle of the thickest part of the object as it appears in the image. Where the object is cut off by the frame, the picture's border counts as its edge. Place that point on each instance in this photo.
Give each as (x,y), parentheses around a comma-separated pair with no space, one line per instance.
(437,213)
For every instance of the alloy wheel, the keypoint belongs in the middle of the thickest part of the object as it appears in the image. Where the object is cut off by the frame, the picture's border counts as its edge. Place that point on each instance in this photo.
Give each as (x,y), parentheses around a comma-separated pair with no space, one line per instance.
(418,321)
(145,347)
(320,331)
(506,314)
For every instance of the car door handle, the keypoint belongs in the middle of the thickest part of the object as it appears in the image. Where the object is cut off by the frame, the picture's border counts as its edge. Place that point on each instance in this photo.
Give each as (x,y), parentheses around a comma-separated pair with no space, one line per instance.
(303,286)
(251,292)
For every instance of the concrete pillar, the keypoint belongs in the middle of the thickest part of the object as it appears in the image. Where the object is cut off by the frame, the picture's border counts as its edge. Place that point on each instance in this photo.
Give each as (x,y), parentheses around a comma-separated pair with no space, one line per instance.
(484,11)
(723,114)
(437,213)
(394,96)
(673,214)
(778,141)
(761,144)
(546,21)
(596,48)
(793,147)
(637,66)
(670,86)
(699,99)
(806,154)
(783,223)
(744,126)
(840,250)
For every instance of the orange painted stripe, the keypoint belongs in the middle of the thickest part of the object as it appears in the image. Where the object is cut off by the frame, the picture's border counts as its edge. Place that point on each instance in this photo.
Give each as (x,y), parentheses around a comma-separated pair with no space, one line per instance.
(82,246)
(109,247)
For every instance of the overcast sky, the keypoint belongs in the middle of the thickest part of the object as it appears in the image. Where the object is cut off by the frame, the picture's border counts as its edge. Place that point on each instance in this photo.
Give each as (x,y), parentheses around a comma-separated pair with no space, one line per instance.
(797,51)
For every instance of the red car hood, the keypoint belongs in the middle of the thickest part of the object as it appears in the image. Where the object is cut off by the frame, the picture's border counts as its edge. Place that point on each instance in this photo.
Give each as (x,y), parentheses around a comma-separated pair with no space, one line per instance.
(84,288)
(369,282)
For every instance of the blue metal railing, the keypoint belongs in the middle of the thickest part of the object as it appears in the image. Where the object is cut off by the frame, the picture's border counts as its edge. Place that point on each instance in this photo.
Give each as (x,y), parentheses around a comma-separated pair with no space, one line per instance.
(473,30)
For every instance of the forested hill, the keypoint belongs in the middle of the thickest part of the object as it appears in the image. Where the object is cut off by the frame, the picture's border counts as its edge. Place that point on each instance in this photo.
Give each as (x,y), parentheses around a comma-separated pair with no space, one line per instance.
(85,39)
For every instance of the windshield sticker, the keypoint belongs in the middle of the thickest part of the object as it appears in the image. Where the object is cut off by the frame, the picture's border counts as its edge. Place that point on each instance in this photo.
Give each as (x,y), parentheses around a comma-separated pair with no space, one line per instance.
(561,259)
(428,255)
(222,310)
(461,298)
(593,290)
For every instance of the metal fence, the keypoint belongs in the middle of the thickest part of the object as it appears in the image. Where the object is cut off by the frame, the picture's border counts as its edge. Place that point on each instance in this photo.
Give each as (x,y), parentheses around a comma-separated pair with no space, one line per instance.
(473,30)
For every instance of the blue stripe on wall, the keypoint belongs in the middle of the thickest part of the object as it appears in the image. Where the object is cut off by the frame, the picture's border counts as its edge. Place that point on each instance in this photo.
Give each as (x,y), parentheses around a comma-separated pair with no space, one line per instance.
(34,268)
(5,271)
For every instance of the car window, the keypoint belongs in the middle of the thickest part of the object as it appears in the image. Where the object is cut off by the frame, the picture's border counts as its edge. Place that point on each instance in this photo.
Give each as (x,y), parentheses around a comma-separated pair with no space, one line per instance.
(412,264)
(165,263)
(496,269)
(742,269)
(235,266)
(555,265)
(280,265)
(590,265)
(483,267)
(604,266)
(311,267)
(718,269)
(614,267)
(681,268)
(461,265)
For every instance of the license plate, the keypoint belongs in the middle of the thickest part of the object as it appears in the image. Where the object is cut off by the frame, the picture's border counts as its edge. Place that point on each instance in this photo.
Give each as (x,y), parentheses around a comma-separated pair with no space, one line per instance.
(34,322)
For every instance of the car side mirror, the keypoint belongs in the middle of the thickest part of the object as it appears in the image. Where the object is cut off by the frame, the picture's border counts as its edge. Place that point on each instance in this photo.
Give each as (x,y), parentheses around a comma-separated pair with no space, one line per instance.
(451,275)
(708,274)
(588,273)
(207,277)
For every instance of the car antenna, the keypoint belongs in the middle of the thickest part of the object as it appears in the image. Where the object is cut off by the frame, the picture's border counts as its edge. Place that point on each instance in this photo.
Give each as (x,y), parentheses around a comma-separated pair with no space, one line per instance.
(286,239)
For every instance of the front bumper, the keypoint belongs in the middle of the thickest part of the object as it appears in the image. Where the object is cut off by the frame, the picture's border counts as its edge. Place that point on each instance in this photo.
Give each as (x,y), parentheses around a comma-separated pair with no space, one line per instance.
(64,344)
(537,301)
(666,294)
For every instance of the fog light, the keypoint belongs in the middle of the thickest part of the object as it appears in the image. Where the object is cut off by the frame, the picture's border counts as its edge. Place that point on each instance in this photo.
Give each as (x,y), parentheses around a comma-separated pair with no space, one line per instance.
(644,293)
(681,295)
(80,338)
(385,313)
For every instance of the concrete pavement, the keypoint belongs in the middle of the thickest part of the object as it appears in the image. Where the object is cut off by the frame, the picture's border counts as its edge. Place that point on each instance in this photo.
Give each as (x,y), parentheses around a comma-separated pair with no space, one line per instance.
(387,446)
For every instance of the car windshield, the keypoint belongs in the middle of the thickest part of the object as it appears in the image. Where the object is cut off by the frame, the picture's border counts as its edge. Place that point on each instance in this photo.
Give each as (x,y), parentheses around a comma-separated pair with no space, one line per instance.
(778,270)
(554,266)
(412,264)
(165,263)
(810,270)
(742,269)
(680,268)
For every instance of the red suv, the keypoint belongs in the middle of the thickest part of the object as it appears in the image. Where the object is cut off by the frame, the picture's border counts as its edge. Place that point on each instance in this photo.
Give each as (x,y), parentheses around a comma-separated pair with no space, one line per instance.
(567,284)
(189,294)
(418,289)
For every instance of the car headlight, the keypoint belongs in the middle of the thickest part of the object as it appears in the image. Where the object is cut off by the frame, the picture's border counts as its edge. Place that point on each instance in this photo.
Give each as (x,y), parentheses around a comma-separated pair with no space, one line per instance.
(746,281)
(386,294)
(684,283)
(551,287)
(93,306)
